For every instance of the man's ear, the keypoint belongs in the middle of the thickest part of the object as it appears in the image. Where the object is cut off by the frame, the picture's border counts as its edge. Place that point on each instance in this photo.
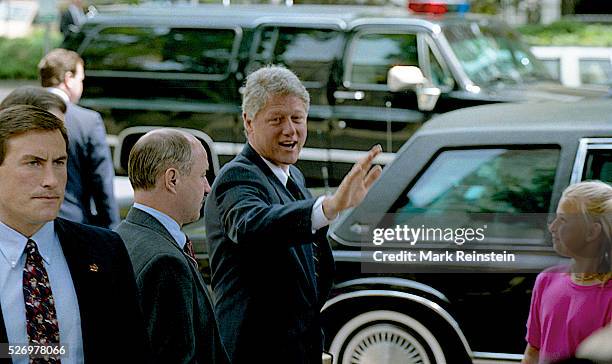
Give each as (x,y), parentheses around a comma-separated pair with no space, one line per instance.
(247,122)
(171,179)
(68,77)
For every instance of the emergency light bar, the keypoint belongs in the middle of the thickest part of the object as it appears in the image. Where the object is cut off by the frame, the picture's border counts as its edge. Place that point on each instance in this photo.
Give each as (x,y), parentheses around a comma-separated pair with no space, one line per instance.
(438,6)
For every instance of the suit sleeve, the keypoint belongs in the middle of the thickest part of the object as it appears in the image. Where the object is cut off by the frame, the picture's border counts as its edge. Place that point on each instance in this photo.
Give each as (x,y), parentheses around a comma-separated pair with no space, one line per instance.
(167,304)
(131,337)
(102,174)
(248,216)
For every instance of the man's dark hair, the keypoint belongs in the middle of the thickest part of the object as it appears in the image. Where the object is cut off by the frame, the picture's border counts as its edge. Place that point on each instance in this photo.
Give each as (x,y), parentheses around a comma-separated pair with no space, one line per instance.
(35,96)
(20,119)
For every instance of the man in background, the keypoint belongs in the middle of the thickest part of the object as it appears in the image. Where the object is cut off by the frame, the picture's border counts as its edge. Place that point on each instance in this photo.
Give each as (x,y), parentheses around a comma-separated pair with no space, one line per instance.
(167,169)
(89,191)
(72,18)
(35,96)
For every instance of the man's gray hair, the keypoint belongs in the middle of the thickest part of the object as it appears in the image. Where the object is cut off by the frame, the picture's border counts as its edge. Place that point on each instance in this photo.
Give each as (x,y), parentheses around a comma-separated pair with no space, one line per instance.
(267,81)
(154,153)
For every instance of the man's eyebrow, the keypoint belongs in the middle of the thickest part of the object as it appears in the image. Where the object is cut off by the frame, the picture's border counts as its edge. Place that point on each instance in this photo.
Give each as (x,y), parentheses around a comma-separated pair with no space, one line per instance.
(43,159)
(32,156)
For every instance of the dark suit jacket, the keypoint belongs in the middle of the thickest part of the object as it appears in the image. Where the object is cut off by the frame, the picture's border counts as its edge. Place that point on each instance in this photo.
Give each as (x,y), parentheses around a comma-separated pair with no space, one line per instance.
(173,296)
(111,322)
(260,243)
(90,171)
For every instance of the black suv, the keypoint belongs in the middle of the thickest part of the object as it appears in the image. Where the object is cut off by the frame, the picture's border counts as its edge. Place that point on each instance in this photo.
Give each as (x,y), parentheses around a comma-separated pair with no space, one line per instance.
(183,66)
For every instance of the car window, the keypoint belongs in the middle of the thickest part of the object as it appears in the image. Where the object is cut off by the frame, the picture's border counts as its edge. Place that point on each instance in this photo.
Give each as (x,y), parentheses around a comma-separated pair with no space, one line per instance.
(440,76)
(490,53)
(493,182)
(161,49)
(553,66)
(596,71)
(372,55)
(308,52)
(598,165)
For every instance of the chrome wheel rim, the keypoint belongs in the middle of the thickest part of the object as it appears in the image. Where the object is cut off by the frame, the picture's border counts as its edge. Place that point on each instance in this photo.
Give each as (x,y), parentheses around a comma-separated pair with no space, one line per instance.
(384,343)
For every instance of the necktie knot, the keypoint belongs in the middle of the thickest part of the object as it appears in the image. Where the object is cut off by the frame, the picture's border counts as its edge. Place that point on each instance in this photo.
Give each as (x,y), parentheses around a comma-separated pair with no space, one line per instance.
(32,251)
(294,189)
(188,249)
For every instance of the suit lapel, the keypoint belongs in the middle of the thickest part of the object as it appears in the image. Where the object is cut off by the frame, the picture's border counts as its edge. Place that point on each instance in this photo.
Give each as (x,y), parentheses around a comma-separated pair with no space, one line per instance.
(3,334)
(141,218)
(302,253)
(283,194)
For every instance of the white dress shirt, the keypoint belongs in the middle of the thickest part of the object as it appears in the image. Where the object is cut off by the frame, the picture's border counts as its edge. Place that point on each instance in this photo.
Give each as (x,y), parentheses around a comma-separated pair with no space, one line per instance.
(317,217)
(12,263)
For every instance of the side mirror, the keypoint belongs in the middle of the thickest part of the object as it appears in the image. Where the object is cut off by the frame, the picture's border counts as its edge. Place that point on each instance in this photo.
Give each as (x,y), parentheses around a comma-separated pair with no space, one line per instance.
(402,78)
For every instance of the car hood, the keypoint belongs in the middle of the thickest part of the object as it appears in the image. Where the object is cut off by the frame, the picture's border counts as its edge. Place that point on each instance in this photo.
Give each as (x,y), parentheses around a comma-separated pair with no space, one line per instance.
(541,91)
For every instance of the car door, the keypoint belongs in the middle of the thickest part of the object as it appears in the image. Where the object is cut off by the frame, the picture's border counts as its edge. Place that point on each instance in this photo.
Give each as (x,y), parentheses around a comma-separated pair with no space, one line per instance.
(366,111)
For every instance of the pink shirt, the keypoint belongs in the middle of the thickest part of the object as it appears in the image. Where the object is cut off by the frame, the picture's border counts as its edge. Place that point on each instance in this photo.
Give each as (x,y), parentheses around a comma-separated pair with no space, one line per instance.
(563,313)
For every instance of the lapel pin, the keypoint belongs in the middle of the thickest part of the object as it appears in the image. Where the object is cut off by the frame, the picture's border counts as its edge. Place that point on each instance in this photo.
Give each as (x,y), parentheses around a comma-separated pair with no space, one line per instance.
(93,267)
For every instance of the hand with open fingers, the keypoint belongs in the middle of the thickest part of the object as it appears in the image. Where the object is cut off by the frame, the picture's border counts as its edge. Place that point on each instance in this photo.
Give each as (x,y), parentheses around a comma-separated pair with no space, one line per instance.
(354,186)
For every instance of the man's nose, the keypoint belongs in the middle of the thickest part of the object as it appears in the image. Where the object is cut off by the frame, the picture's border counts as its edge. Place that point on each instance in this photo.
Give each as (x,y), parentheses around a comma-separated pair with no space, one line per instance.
(288,127)
(50,176)
(207,188)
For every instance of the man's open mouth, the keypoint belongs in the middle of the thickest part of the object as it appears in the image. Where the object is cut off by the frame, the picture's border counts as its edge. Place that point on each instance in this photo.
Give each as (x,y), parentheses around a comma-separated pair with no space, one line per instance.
(288,145)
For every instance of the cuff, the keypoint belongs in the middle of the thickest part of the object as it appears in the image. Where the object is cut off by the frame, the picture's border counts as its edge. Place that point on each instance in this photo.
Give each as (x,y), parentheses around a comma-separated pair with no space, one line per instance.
(318,216)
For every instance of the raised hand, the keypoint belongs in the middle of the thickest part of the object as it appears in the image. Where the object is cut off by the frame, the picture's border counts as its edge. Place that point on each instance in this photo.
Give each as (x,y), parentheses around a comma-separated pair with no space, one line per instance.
(354,186)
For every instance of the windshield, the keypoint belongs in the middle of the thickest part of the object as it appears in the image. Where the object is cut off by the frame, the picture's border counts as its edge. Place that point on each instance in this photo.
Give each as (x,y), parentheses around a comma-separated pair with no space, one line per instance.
(491,53)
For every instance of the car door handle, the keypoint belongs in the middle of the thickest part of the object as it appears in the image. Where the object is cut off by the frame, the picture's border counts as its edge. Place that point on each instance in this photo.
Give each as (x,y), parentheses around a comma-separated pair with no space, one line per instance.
(349,95)
(360,229)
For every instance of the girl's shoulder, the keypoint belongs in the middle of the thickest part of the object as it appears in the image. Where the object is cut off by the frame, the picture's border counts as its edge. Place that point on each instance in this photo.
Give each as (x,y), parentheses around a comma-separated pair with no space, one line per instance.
(551,274)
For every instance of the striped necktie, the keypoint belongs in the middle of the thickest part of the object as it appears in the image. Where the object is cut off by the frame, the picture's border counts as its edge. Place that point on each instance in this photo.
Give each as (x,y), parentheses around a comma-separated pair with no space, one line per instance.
(295,191)
(41,317)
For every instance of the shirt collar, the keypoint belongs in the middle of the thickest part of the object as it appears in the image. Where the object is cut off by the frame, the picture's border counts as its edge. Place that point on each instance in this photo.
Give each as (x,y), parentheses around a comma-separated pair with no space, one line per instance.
(13,243)
(172,226)
(61,93)
(279,172)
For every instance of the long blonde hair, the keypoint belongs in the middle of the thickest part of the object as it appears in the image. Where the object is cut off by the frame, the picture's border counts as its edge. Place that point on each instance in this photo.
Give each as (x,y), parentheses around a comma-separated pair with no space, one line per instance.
(594,201)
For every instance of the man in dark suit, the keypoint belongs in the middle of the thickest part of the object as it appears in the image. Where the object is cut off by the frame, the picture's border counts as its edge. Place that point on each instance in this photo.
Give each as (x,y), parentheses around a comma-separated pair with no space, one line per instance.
(60,282)
(271,264)
(167,169)
(72,18)
(89,191)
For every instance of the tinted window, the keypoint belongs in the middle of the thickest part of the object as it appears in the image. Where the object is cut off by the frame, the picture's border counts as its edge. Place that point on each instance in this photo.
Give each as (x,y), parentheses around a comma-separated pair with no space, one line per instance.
(486,181)
(161,49)
(308,52)
(598,165)
(374,54)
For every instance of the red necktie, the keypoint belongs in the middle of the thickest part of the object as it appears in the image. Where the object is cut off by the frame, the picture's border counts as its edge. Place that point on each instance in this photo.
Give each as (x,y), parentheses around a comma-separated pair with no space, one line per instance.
(188,249)
(41,317)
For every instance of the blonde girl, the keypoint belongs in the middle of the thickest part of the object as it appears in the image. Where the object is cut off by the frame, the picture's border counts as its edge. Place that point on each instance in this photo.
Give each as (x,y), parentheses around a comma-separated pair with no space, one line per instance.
(571,302)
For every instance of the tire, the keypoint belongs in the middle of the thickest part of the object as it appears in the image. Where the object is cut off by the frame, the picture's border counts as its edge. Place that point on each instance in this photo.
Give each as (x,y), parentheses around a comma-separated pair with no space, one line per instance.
(385,337)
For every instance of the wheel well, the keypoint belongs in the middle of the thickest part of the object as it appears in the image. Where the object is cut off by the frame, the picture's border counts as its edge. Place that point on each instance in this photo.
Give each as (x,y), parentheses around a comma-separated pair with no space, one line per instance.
(337,315)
